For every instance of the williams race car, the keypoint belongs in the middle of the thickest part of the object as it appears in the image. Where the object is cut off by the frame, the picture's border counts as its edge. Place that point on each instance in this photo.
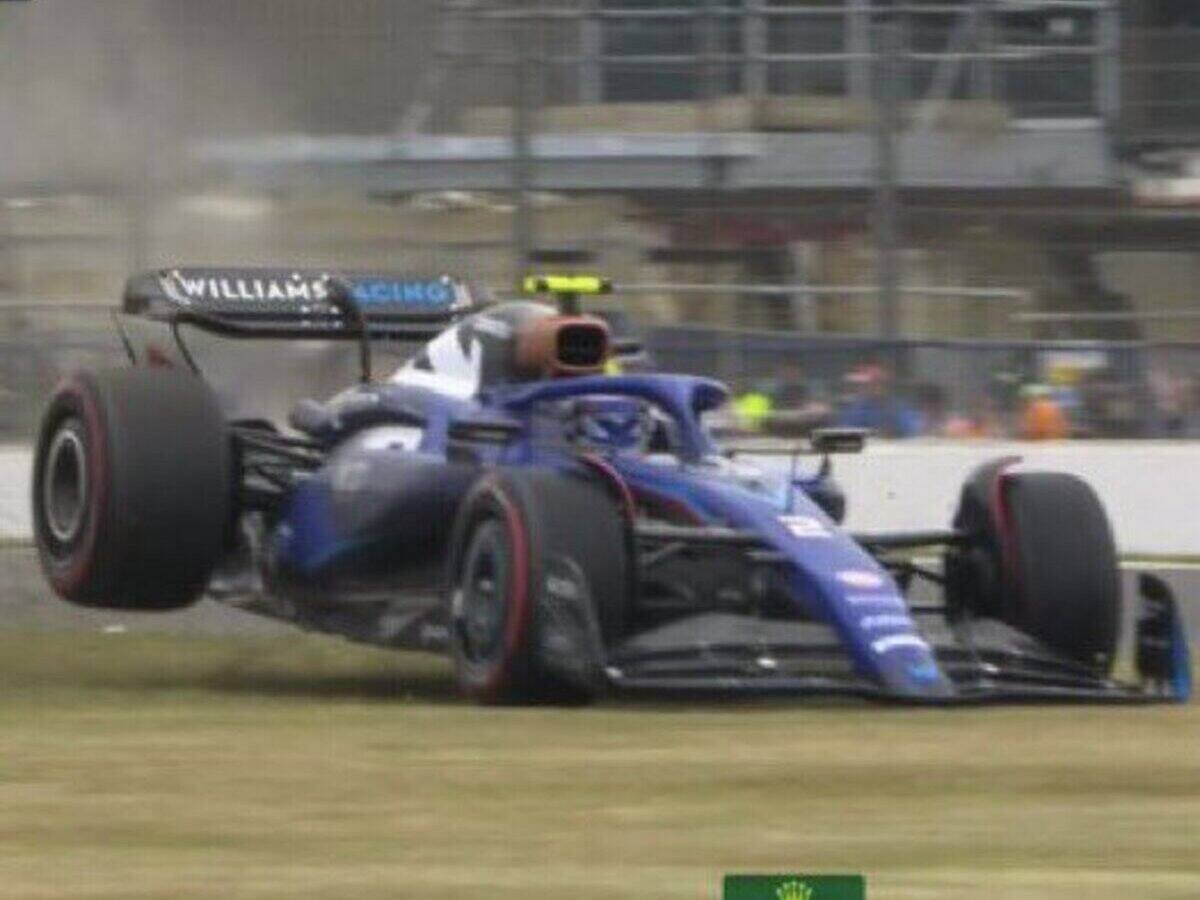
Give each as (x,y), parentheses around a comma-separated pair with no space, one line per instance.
(558,528)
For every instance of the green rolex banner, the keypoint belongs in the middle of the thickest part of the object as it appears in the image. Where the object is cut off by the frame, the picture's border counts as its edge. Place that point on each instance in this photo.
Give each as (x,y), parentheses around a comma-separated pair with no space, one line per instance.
(795,887)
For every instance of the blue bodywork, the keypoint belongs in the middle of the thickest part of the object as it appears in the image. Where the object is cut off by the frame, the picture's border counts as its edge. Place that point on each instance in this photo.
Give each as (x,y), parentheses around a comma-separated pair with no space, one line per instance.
(830,577)
(347,529)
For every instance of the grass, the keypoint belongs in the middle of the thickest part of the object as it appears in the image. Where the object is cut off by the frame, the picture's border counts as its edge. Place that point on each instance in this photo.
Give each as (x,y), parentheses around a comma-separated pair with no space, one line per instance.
(136,766)
(1160,559)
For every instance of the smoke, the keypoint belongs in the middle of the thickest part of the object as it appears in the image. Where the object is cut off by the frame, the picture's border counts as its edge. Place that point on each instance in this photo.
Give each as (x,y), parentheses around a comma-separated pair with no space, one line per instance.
(68,98)
(111,93)
(101,95)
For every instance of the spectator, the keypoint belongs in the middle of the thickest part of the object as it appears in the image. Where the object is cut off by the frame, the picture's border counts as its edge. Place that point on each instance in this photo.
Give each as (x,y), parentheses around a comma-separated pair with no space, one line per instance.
(872,405)
(1192,407)
(982,422)
(793,411)
(1042,419)
(1108,406)
(963,427)
(1169,393)
(933,408)
(752,407)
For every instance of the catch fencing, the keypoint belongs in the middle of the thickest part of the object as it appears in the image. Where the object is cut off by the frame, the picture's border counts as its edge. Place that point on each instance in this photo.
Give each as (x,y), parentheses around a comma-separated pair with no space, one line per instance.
(1109,389)
(486,136)
(1037,150)
(1112,389)
(41,343)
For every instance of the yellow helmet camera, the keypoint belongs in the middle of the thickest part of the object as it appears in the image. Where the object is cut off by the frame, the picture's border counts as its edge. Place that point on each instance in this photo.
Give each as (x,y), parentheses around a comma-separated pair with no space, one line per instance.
(566,289)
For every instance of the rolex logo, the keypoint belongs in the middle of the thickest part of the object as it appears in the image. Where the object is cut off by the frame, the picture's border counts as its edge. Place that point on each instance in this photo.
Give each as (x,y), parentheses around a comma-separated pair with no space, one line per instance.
(793,890)
(795,886)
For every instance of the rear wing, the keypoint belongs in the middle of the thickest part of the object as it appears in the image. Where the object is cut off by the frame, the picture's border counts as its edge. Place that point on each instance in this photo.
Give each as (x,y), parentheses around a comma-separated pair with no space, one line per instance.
(299,303)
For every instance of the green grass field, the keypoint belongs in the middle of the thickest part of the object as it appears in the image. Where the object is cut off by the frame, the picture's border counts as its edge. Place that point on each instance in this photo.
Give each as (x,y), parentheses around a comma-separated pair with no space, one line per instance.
(145,766)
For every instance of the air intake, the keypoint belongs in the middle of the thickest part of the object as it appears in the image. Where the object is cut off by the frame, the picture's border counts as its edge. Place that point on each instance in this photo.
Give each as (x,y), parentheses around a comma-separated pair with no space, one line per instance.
(559,346)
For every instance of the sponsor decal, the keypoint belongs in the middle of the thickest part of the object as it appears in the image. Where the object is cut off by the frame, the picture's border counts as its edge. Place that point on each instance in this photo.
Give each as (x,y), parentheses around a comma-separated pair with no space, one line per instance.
(896,641)
(861,578)
(885,620)
(805,526)
(392,437)
(879,601)
(493,326)
(350,476)
(564,583)
(189,288)
(566,639)
(924,672)
(795,887)
(562,588)
(426,294)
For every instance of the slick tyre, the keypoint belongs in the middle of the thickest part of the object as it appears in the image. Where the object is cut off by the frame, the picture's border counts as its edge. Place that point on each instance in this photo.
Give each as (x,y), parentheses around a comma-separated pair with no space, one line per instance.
(1042,560)
(538,583)
(132,489)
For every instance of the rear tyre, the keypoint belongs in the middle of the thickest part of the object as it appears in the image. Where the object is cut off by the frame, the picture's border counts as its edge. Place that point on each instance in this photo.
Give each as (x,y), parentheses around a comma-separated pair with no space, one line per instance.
(132,489)
(1042,560)
(538,584)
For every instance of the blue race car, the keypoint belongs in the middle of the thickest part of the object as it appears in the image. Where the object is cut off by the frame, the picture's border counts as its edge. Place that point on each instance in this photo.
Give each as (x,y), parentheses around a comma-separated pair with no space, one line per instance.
(559,529)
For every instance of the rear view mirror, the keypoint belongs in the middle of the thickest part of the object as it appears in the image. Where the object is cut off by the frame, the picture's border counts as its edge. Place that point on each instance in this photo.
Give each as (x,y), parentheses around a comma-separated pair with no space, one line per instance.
(838,440)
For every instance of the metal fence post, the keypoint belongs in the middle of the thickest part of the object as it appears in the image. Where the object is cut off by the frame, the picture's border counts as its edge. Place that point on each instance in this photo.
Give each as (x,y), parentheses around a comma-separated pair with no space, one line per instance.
(754,47)
(858,48)
(143,188)
(710,71)
(1107,64)
(887,211)
(983,72)
(522,156)
(591,43)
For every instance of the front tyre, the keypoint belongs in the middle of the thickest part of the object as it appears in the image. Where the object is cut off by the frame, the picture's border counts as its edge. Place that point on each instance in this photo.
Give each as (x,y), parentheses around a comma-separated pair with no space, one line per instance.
(538,582)
(132,489)
(1042,558)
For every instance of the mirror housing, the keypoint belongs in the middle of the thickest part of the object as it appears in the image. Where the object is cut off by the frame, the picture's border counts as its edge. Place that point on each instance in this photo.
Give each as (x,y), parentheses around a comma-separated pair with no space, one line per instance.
(826,441)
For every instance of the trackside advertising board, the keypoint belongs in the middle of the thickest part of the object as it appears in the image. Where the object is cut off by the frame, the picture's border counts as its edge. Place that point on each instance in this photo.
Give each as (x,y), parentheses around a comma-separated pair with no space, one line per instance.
(795,887)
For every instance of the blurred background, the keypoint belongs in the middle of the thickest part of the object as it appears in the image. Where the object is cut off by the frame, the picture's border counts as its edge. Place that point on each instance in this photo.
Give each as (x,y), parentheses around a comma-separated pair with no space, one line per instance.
(962,218)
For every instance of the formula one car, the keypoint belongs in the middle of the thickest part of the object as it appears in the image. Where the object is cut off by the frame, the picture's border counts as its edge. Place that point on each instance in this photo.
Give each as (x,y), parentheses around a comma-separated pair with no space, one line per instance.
(558,529)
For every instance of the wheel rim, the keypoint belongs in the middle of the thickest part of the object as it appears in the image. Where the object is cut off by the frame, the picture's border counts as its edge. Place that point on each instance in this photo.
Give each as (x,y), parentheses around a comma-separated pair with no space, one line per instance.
(65,484)
(482,598)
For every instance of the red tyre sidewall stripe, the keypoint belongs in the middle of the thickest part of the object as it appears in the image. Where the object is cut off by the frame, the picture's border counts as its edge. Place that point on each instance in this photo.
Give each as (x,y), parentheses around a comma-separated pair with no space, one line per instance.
(1005,530)
(76,574)
(516,629)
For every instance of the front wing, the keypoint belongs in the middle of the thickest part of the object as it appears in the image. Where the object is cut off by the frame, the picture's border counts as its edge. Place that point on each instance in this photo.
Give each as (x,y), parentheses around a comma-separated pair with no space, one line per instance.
(985,660)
